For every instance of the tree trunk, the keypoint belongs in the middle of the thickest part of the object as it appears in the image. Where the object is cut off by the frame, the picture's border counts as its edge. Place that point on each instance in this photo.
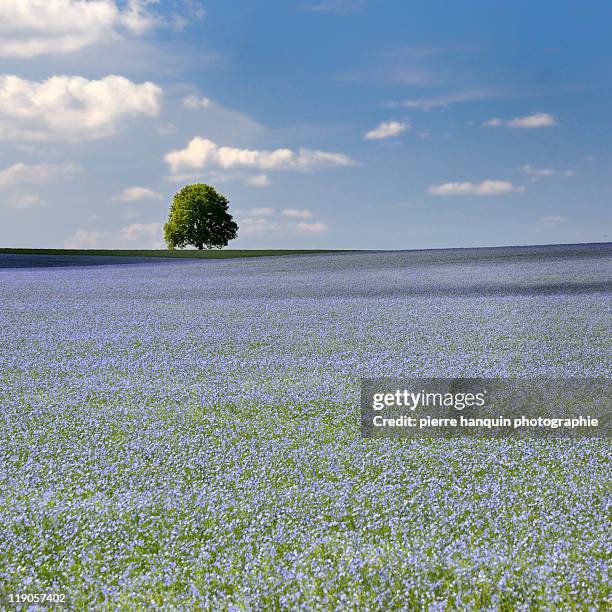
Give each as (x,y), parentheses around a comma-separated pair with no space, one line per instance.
(200,246)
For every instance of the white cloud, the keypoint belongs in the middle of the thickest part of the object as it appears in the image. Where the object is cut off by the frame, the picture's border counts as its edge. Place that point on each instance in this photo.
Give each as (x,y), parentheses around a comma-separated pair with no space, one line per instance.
(86,239)
(307,159)
(538,173)
(387,129)
(131,194)
(139,231)
(262,212)
(37,27)
(493,123)
(258,227)
(484,188)
(339,7)
(297,214)
(192,10)
(261,222)
(204,153)
(137,235)
(259,180)
(26,200)
(265,227)
(192,177)
(255,212)
(221,176)
(136,18)
(444,101)
(311,228)
(193,102)
(533,121)
(71,108)
(20,173)
(537,120)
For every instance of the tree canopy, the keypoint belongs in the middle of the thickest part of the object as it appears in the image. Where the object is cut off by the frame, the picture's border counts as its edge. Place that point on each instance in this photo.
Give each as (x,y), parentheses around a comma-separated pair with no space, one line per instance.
(199,217)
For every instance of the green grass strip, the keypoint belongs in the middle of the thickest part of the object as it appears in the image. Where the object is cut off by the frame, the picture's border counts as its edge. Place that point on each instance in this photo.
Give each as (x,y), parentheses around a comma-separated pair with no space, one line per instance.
(188,253)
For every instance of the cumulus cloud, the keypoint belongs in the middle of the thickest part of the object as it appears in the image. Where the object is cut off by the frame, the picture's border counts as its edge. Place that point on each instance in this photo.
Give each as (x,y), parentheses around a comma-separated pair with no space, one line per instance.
(484,188)
(537,120)
(131,194)
(137,18)
(203,153)
(387,129)
(193,102)
(136,235)
(533,121)
(297,214)
(72,108)
(25,200)
(20,173)
(37,27)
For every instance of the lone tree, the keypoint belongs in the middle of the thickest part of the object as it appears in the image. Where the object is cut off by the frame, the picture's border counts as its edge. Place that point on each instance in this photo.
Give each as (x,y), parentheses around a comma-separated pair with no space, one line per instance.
(199,217)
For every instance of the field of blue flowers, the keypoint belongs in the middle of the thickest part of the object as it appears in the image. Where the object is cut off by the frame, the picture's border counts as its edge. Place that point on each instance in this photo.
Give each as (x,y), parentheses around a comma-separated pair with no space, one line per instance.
(185,434)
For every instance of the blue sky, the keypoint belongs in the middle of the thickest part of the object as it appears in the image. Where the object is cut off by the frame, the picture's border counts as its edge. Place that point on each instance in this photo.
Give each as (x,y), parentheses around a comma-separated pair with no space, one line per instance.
(327,123)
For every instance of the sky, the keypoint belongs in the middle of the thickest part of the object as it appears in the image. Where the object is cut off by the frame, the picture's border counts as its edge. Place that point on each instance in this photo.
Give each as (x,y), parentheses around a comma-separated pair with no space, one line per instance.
(326,123)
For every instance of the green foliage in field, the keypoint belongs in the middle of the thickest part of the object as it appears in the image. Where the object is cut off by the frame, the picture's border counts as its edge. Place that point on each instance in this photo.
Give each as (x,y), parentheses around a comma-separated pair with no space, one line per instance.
(199,217)
(187,253)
